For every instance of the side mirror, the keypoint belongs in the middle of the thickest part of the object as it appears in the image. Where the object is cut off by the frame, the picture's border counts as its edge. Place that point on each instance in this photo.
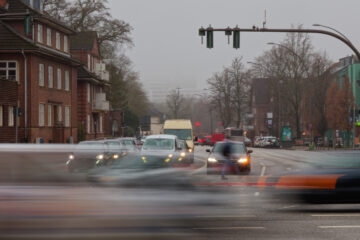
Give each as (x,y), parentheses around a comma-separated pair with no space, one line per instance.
(250,151)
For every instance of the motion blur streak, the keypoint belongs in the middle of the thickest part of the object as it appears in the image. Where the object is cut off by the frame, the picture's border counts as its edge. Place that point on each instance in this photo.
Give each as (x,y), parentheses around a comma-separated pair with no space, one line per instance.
(308,182)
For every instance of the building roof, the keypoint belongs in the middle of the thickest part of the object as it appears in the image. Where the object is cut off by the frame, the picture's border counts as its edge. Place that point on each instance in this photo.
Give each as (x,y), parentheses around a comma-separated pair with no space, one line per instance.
(83,40)
(19,6)
(10,39)
(261,90)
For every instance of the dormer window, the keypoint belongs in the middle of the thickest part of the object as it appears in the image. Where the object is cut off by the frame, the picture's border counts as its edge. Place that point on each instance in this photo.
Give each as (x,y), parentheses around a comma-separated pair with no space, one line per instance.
(40,33)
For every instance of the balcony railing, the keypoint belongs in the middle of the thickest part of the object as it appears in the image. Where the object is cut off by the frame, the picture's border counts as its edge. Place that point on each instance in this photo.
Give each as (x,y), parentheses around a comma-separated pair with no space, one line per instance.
(100,71)
(100,103)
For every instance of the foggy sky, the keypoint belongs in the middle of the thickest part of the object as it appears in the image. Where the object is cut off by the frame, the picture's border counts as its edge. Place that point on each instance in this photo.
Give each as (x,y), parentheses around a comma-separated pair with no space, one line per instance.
(168,49)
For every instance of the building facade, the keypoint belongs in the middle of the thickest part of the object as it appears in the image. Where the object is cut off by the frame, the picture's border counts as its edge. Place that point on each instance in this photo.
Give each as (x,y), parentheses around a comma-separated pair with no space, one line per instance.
(93,78)
(35,54)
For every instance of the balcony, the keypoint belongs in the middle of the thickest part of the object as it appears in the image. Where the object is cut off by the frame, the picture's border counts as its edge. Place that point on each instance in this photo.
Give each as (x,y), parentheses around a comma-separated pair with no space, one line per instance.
(100,103)
(100,71)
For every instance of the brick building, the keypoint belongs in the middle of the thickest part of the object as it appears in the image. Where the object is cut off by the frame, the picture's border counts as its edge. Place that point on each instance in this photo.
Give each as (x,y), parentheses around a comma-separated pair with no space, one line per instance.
(92,80)
(35,54)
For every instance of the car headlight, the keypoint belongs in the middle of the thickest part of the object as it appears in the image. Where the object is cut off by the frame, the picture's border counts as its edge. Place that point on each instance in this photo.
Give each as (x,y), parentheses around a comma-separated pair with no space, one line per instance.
(71,157)
(243,160)
(182,154)
(212,160)
(116,156)
(171,155)
(167,160)
(190,150)
(100,157)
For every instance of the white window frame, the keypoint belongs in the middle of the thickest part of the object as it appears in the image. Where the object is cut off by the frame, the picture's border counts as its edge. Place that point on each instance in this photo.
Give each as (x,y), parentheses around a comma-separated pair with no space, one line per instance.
(67,116)
(40,33)
(41,115)
(49,37)
(89,62)
(58,41)
(41,75)
(59,113)
(50,115)
(1,116)
(88,92)
(7,69)
(50,77)
(59,82)
(88,123)
(67,81)
(11,121)
(66,44)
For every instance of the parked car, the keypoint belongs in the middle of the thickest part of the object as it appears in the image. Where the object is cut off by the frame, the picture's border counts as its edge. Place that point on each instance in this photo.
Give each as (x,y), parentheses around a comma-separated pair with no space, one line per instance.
(257,141)
(270,142)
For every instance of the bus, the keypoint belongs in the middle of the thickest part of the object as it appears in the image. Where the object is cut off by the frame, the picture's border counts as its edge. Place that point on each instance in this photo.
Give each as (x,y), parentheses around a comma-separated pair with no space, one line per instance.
(182,129)
(234,134)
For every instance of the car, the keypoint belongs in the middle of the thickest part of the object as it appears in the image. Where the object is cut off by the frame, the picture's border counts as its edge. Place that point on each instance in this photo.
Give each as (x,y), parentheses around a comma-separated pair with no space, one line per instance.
(162,146)
(240,156)
(186,153)
(128,144)
(247,142)
(270,142)
(257,141)
(85,155)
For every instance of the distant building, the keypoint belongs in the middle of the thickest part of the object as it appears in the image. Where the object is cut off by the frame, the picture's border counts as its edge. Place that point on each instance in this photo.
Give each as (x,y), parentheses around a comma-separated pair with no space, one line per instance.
(35,54)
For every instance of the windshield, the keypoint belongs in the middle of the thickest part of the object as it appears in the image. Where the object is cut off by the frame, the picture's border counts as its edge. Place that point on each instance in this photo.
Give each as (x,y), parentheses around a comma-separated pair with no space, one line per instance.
(159,144)
(183,134)
(236,148)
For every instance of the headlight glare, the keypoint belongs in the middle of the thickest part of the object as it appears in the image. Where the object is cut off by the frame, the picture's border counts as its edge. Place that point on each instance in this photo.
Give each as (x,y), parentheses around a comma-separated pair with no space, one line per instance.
(212,160)
(71,157)
(100,157)
(243,160)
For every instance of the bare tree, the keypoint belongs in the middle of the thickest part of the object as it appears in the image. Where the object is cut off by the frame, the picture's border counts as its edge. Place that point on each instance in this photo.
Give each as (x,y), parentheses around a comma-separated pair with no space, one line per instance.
(175,103)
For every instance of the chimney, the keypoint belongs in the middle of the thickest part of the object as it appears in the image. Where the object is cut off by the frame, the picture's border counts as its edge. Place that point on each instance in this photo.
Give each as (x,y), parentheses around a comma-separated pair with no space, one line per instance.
(3,3)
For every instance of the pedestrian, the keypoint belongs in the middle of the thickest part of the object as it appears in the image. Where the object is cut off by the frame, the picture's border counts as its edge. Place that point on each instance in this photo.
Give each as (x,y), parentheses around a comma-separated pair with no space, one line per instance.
(227,152)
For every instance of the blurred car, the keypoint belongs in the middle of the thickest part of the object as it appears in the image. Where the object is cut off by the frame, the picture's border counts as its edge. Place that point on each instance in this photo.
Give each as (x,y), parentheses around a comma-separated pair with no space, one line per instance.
(240,156)
(128,144)
(247,142)
(86,154)
(186,153)
(206,141)
(164,147)
(135,170)
(257,141)
(270,142)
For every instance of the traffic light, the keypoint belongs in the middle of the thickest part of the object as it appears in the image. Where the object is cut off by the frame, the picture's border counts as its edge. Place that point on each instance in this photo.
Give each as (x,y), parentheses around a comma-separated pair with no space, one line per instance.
(236,38)
(202,34)
(228,33)
(210,37)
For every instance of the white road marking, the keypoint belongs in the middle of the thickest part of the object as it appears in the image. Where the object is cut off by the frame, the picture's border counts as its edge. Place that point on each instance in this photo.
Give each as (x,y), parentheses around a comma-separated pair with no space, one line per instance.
(263,170)
(230,228)
(329,227)
(336,215)
(227,216)
(287,207)
(257,194)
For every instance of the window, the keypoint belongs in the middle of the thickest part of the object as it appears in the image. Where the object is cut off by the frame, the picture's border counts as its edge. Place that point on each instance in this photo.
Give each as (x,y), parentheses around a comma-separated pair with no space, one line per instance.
(51,77)
(101,124)
(40,33)
(66,45)
(8,70)
(49,115)
(89,62)
(49,37)
(41,75)
(60,114)
(59,78)
(1,116)
(88,92)
(67,116)
(88,124)
(11,116)
(58,40)
(41,115)
(67,81)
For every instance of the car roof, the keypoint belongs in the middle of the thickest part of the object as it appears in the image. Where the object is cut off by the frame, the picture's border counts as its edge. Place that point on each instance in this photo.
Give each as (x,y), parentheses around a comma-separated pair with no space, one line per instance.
(234,142)
(162,136)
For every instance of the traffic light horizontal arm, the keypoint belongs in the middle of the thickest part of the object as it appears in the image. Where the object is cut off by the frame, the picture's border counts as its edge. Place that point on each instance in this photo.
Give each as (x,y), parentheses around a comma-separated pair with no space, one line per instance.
(292,30)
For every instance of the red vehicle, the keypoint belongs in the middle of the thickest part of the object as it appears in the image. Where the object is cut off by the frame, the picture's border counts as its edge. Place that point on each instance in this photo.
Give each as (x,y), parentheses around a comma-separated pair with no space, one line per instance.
(217,137)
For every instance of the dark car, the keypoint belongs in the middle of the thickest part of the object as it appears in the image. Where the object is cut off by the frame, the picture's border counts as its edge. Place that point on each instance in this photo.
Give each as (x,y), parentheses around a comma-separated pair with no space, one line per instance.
(86,154)
(240,156)
(186,155)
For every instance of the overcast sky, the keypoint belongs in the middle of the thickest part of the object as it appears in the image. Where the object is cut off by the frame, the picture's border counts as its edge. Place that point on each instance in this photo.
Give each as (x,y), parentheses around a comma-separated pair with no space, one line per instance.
(168,49)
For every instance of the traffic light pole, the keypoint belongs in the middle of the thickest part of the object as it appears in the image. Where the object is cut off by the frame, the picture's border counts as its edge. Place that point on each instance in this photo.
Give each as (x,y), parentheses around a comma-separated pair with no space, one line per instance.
(210,40)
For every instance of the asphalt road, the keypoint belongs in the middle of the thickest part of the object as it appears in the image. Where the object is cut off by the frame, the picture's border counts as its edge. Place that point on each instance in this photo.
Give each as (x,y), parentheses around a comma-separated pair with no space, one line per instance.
(231,209)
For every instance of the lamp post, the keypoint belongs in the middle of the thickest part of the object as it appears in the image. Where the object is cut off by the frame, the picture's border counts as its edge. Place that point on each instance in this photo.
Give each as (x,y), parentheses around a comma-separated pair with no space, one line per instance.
(308,77)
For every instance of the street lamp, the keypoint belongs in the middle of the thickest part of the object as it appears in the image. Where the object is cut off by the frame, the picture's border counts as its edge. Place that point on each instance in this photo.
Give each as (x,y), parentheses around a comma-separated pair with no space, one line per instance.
(308,77)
